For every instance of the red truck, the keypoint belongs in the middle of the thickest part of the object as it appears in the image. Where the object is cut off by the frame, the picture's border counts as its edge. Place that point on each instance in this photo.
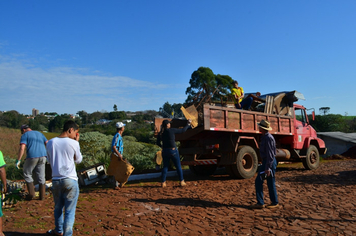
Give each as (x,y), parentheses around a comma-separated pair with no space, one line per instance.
(229,137)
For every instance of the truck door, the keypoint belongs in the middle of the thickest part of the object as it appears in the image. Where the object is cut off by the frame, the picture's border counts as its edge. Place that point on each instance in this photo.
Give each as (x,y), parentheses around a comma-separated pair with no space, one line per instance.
(301,126)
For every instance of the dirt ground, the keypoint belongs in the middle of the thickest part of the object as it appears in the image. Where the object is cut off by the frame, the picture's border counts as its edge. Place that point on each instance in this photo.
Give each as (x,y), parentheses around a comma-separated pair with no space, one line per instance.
(317,202)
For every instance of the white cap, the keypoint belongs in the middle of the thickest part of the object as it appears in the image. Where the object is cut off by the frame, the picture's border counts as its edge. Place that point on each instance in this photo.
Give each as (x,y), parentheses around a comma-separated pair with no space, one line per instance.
(120,124)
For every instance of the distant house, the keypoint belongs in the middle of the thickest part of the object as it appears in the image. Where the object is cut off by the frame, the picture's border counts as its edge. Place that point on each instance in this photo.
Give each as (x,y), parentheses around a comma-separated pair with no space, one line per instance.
(127,121)
(337,142)
(131,114)
(102,122)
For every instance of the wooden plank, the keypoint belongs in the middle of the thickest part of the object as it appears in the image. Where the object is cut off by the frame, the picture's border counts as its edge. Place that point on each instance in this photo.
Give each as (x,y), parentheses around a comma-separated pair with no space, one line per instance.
(234,120)
(217,119)
(192,114)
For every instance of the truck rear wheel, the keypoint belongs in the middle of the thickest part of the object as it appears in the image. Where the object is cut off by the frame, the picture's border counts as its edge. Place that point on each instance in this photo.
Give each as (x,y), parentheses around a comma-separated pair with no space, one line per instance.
(203,170)
(246,163)
(312,159)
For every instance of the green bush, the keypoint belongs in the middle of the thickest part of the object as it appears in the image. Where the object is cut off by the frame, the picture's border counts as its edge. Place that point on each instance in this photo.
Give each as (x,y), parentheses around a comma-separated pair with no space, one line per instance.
(12,173)
(140,155)
(95,148)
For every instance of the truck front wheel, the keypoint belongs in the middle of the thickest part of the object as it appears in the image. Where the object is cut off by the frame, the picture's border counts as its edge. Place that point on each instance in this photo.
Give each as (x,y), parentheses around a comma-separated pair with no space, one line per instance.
(312,159)
(246,163)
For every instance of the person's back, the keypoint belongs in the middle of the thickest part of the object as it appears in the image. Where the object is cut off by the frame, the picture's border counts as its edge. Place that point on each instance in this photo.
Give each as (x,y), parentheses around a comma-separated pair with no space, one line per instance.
(34,142)
(61,153)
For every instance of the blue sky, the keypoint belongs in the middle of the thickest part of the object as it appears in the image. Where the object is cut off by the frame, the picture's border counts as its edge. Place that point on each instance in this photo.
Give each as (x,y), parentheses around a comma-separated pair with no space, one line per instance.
(67,56)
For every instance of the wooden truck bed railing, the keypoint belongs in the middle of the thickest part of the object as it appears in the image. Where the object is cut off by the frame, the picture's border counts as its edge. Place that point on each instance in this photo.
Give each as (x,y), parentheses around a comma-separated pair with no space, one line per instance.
(236,120)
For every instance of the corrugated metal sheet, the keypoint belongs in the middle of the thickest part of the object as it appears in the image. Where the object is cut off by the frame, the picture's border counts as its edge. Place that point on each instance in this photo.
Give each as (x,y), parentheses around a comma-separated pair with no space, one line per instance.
(347,137)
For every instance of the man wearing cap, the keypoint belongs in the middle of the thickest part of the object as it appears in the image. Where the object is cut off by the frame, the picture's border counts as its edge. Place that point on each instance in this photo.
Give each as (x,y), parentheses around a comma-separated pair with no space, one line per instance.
(117,146)
(35,144)
(267,169)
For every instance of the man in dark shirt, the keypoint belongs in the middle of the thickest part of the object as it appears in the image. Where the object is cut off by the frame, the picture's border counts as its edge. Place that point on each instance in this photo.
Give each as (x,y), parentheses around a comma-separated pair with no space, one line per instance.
(267,169)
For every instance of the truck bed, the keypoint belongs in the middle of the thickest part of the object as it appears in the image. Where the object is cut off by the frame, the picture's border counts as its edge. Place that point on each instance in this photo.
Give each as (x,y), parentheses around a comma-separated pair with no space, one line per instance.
(224,119)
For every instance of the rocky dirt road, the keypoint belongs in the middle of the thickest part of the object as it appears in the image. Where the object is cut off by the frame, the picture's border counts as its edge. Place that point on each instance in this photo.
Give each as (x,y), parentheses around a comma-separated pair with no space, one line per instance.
(318,202)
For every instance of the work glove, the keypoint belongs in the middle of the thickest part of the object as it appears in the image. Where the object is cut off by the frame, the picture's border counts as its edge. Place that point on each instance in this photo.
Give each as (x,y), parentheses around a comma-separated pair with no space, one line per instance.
(17,164)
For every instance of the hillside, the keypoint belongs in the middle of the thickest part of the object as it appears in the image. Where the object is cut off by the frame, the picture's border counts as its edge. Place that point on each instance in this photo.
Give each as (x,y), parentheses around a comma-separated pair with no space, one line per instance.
(9,141)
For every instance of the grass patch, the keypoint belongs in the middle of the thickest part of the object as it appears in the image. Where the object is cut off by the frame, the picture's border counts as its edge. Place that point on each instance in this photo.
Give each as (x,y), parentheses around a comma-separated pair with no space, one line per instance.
(50,135)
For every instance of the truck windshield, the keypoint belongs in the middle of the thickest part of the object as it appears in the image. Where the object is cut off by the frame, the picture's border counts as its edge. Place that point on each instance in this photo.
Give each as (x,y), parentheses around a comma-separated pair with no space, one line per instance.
(300,115)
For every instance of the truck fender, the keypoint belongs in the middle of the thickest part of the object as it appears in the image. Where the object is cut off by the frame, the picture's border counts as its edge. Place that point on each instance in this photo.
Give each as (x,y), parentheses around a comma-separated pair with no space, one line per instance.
(243,140)
(317,142)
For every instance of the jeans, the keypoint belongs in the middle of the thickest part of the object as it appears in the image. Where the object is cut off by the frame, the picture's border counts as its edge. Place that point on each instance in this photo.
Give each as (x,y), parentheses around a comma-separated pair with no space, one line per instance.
(245,103)
(65,195)
(271,184)
(167,155)
(36,165)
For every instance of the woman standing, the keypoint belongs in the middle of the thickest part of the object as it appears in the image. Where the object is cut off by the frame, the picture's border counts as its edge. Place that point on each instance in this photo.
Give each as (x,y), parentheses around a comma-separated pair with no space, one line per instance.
(166,140)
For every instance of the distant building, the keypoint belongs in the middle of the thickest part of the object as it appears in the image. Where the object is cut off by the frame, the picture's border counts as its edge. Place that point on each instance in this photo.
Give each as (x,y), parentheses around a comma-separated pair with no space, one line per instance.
(102,122)
(131,114)
(35,112)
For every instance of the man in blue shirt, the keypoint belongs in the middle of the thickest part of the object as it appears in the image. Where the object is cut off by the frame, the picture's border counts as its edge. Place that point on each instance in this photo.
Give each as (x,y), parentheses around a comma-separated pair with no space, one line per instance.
(267,169)
(117,147)
(34,143)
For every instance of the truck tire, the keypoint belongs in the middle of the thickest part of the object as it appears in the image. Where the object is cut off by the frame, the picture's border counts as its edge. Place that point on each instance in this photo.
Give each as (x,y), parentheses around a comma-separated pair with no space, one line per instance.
(246,162)
(312,159)
(203,170)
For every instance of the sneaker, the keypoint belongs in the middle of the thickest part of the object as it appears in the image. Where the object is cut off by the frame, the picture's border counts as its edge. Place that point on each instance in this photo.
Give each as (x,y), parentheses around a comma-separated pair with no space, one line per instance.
(116,188)
(53,232)
(164,185)
(182,183)
(257,206)
(273,206)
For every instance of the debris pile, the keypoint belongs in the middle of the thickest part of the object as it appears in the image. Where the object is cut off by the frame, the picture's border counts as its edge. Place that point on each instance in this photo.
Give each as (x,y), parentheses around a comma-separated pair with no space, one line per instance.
(349,154)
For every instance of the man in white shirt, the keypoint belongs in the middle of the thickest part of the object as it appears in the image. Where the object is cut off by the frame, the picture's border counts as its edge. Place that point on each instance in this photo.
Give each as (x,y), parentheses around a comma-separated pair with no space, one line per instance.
(62,153)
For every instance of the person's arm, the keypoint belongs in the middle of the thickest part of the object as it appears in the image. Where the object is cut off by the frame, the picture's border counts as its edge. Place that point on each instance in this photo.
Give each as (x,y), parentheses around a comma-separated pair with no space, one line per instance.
(78,155)
(270,155)
(117,146)
(242,95)
(158,142)
(20,154)
(179,131)
(77,136)
(3,178)
(117,152)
